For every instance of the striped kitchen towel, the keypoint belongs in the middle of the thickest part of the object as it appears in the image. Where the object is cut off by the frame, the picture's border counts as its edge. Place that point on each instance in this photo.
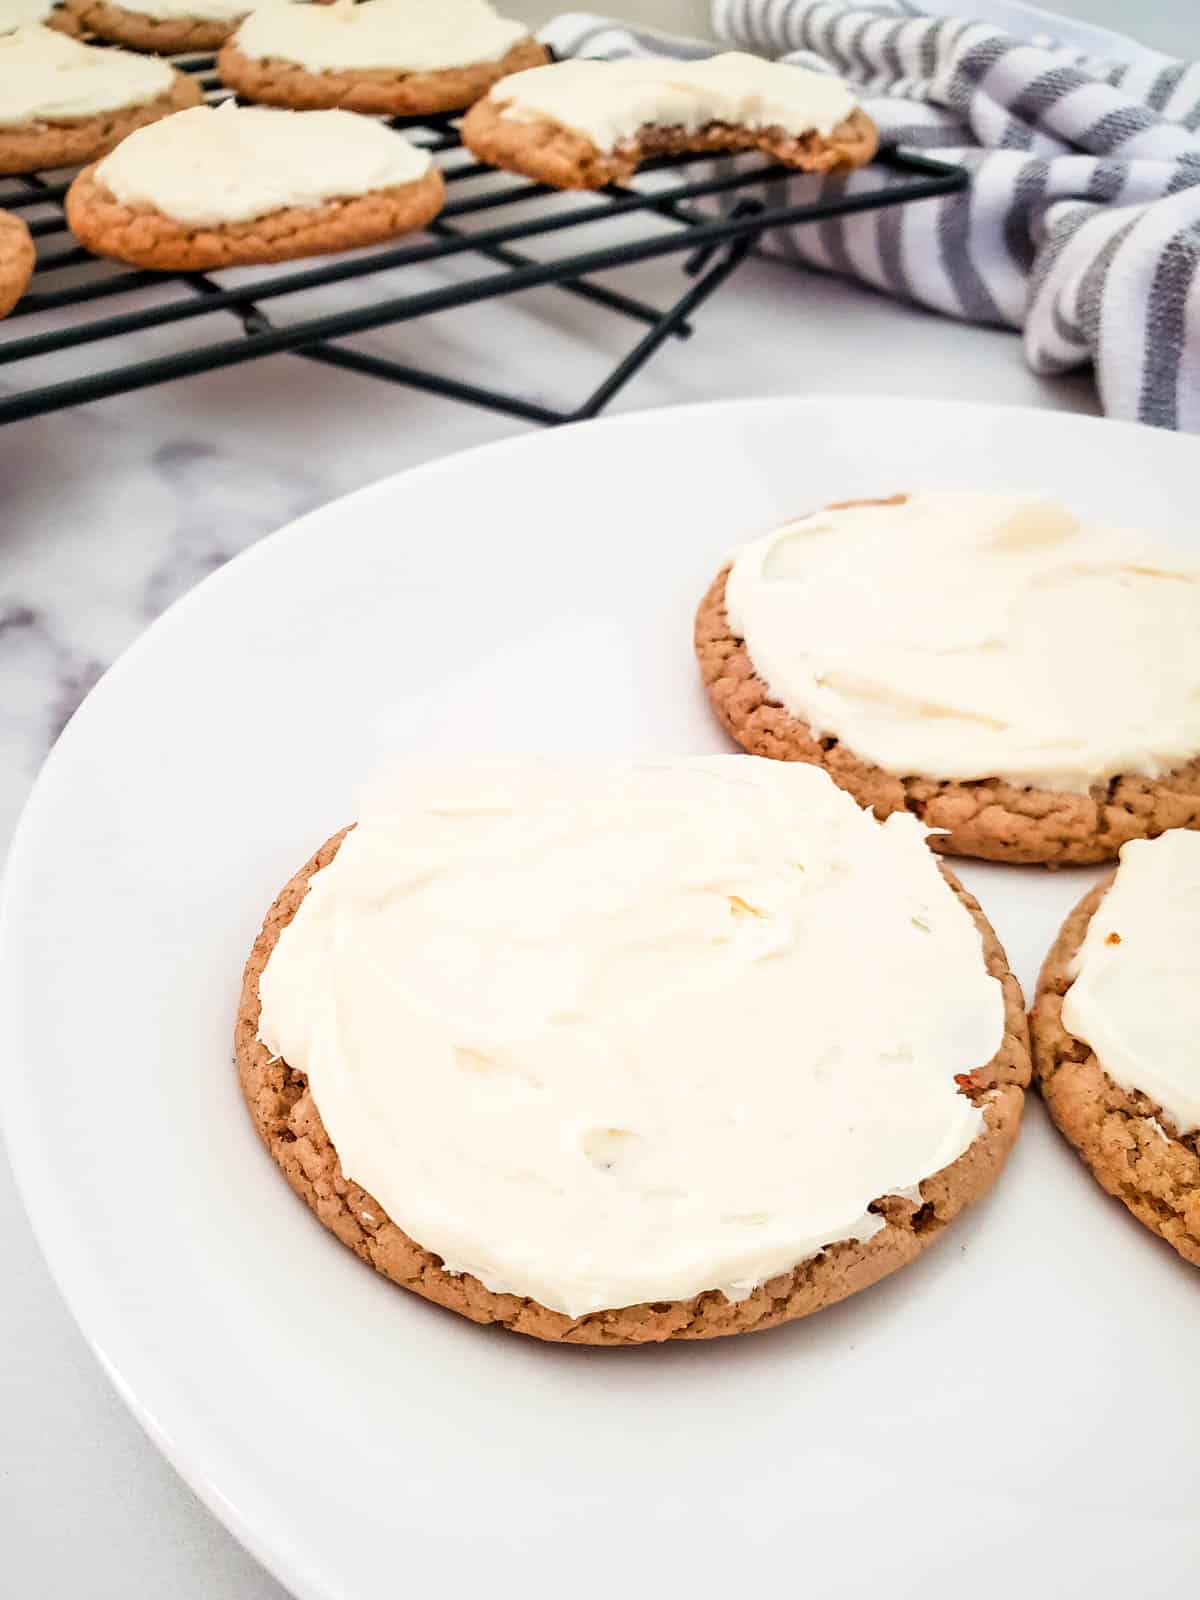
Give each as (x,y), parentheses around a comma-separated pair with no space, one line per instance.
(1082,221)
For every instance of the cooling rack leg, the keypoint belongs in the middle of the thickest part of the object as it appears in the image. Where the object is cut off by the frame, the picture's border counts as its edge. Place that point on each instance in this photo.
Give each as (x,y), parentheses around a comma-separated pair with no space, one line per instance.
(667,324)
(732,257)
(610,298)
(431,383)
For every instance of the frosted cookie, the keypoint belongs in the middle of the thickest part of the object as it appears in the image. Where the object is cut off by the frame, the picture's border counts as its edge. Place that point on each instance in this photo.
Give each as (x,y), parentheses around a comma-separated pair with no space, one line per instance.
(244,186)
(389,57)
(1022,680)
(26,13)
(582,124)
(1115,1030)
(165,26)
(620,1054)
(17,260)
(62,102)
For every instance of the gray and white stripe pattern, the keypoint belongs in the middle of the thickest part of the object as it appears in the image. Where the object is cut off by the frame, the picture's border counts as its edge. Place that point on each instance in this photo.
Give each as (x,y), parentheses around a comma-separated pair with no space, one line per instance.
(1082,222)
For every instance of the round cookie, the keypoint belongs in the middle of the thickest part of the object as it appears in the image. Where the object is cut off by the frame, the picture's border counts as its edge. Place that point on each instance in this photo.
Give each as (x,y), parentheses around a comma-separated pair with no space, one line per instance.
(380,91)
(244,186)
(148,238)
(1123,1137)
(986,818)
(170,35)
(560,156)
(290,1126)
(17,260)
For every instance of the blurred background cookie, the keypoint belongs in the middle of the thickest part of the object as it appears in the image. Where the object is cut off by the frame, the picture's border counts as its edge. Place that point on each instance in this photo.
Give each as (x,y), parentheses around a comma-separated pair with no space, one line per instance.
(582,124)
(391,57)
(166,26)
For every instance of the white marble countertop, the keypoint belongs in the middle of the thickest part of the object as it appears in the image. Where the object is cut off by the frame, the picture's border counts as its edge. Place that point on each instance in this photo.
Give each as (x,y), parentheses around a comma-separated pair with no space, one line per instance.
(112,511)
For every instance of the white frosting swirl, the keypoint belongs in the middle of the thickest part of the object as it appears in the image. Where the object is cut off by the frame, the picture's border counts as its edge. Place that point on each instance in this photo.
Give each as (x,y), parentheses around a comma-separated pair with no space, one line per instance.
(968,635)
(611,101)
(607,1035)
(1135,998)
(47,76)
(379,34)
(205,167)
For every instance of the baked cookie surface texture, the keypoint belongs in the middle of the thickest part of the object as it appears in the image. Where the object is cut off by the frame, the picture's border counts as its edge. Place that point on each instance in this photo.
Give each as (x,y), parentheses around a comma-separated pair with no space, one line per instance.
(625,1053)
(17,260)
(582,124)
(243,186)
(166,26)
(388,57)
(1115,1030)
(63,102)
(1023,680)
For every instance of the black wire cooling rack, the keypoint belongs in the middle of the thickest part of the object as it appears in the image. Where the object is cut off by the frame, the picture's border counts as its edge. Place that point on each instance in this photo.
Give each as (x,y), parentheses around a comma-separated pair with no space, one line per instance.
(710,211)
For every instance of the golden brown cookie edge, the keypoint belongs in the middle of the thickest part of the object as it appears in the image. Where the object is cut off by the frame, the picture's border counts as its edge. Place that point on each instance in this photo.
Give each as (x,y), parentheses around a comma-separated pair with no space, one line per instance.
(157,35)
(290,1126)
(985,818)
(148,238)
(375,91)
(560,156)
(1155,1175)
(69,143)
(17,260)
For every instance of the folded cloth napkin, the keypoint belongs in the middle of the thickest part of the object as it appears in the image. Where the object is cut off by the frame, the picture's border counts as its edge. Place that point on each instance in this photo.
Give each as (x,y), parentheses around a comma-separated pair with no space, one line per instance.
(1082,221)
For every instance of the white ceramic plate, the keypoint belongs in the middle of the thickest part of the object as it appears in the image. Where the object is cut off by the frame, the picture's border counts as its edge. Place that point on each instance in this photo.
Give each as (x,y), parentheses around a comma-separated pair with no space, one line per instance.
(1018,1410)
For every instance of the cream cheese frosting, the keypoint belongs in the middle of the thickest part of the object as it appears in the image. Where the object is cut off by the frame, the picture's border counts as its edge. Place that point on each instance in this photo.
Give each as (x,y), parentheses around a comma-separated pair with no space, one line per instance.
(611,101)
(967,635)
(379,34)
(1135,995)
(606,1034)
(21,13)
(47,76)
(185,10)
(206,167)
